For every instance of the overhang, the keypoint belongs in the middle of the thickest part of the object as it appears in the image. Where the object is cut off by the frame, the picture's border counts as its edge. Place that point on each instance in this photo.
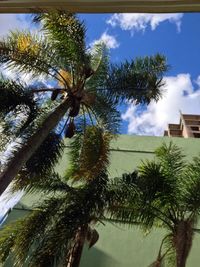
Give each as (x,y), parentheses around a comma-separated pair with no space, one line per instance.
(101,6)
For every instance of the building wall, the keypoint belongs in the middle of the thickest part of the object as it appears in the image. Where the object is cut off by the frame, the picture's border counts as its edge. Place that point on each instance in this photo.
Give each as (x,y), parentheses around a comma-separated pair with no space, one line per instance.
(118,245)
(129,247)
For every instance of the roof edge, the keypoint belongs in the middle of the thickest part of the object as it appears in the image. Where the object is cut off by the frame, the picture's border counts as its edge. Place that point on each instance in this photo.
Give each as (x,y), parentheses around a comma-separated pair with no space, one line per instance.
(100,6)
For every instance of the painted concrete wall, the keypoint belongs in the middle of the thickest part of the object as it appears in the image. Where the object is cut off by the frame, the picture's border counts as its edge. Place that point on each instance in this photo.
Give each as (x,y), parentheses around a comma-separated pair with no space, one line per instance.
(119,246)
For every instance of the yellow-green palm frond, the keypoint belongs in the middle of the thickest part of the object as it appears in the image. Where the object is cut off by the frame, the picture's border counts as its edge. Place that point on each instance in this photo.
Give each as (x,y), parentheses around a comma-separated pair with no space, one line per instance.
(166,254)
(67,33)
(65,77)
(29,53)
(89,153)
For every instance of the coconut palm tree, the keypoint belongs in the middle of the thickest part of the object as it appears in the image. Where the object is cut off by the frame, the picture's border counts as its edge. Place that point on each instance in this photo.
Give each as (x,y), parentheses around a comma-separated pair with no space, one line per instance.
(83,81)
(164,192)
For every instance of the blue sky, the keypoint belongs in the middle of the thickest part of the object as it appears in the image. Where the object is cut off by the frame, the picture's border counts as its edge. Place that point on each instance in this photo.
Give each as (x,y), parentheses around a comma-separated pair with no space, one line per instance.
(181,46)
(174,35)
(131,35)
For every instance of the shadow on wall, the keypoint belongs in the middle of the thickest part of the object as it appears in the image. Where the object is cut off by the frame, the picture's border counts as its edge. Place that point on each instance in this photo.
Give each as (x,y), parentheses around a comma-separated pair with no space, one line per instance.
(95,257)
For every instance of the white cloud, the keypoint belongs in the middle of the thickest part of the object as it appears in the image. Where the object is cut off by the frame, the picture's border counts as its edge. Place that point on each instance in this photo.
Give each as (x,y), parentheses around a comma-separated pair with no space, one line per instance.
(109,40)
(26,78)
(179,94)
(12,22)
(139,22)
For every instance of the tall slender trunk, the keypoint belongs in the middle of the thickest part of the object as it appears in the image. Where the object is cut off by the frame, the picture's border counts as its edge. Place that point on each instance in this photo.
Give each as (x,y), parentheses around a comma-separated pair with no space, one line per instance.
(32,144)
(76,251)
(183,242)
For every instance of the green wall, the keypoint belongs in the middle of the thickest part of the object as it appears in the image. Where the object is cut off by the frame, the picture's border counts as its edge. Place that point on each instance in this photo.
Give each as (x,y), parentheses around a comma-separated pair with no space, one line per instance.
(118,245)
(129,247)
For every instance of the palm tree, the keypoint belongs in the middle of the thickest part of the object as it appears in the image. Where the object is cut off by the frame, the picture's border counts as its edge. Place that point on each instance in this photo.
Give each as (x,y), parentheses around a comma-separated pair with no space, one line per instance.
(84,80)
(163,193)
(55,232)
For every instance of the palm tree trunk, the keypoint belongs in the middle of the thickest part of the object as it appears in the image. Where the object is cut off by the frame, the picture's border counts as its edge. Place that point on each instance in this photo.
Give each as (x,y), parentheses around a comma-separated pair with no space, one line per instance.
(32,144)
(76,251)
(183,242)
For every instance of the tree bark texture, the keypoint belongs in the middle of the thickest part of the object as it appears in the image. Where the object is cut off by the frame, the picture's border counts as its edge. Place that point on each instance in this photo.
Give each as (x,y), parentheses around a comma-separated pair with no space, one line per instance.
(183,236)
(76,251)
(27,150)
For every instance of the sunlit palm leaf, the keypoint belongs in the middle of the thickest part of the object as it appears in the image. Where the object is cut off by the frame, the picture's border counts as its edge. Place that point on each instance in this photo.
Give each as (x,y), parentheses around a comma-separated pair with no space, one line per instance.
(89,153)
(28,53)
(67,35)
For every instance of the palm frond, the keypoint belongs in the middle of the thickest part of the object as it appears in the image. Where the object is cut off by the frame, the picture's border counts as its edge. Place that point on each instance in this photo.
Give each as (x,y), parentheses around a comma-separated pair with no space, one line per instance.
(7,239)
(106,114)
(140,80)
(89,153)
(154,184)
(67,35)
(47,155)
(12,96)
(165,254)
(33,227)
(124,201)
(191,186)
(151,194)
(4,139)
(49,182)
(99,60)
(169,251)
(171,158)
(40,166)
(21,235)
(69,215)
(28,53)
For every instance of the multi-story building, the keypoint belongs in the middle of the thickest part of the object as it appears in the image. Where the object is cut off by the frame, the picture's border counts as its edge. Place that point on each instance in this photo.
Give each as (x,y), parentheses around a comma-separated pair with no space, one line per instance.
(120,245)
(189,126)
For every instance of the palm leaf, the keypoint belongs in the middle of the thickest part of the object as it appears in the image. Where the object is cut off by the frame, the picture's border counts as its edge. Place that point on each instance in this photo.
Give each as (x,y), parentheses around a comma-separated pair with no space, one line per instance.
(89,154)
(13,95)
(28,53)
(139,80)
(191,186)
(41,164)
(106,114)
(67,35)
(22,234)
(171,158)
(99,60)
(7,239)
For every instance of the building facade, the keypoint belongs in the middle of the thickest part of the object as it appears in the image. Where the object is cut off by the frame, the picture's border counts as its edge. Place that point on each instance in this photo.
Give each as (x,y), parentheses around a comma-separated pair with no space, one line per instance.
(119,245)
(189,126)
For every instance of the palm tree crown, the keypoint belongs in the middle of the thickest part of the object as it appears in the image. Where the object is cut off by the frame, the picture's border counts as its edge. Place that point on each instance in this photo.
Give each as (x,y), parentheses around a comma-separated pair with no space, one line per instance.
(164,193)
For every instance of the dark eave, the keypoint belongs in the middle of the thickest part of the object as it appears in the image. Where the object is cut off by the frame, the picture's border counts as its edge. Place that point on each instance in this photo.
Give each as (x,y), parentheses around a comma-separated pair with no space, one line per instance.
(101,6)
